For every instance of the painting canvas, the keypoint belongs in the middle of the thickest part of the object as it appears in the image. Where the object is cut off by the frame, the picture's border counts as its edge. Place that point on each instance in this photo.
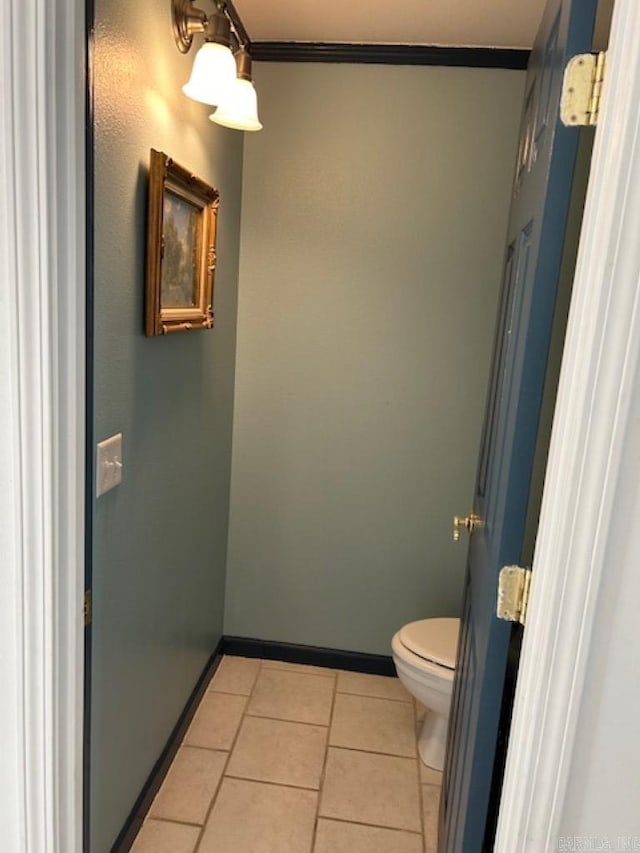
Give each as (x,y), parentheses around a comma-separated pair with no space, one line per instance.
(179,279)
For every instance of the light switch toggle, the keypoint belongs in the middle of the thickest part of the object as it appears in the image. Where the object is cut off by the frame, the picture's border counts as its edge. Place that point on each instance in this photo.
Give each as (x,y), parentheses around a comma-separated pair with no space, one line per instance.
(109,464)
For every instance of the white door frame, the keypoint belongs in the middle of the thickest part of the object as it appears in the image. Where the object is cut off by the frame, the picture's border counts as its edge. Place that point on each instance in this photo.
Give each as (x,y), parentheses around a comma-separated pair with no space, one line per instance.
(42,412)
(584,493)
(42,339)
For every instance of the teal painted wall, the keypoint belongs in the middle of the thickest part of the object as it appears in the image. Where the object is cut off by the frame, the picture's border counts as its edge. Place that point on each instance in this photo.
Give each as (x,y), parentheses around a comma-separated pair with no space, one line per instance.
(373,223)
(160,538)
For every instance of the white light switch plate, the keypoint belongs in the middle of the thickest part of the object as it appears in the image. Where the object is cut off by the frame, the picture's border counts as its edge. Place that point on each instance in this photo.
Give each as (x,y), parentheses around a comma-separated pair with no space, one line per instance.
(109,464)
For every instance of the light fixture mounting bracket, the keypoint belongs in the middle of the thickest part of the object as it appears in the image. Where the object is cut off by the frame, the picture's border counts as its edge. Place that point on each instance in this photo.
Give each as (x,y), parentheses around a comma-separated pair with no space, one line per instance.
(186,20)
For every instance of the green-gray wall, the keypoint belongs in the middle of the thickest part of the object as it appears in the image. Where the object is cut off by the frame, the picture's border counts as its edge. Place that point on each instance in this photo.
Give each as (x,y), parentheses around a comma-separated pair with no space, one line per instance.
(160,538)
(373,222)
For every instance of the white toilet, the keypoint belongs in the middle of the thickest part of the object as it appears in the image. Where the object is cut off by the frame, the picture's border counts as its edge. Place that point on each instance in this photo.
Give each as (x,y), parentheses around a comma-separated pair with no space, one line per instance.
(424,653)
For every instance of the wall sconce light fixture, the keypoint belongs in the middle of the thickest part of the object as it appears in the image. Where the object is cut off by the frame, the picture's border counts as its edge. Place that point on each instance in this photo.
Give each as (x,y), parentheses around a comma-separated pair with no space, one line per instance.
(239,107)
(216,78)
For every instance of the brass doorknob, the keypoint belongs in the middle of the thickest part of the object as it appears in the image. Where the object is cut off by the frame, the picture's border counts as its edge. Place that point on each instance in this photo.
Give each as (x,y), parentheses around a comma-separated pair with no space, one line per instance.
(469,522)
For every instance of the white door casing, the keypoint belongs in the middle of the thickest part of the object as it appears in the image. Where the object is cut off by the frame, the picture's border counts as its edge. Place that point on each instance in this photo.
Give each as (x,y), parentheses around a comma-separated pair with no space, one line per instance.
(42,374)
(587,523)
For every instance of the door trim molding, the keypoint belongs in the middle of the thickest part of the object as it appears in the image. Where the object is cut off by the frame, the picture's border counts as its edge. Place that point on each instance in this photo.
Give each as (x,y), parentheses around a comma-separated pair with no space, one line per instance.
(42,416)
(601,361)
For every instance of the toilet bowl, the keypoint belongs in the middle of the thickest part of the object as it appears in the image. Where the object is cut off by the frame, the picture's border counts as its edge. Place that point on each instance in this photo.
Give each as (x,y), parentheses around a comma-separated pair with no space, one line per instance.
(424,653)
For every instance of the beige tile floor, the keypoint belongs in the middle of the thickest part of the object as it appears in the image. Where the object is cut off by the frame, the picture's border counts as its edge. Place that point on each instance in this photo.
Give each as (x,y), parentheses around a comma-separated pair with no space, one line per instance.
(282,758)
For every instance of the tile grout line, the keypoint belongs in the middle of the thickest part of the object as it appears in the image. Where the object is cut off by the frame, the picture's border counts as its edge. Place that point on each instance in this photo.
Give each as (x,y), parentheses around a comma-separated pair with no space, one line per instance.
(421,807)
(313,674)
(255,716)
(263,666)
(318,791)
(409,701)
(182,745)
(294,672)
(272,783)
(245,714)
(417,726)
(417,760)
(374,825)
(326,672)
(373,752)
(174,820)
(378,698)
(314,836)
(224,692)
(424,785)
(194,746)
(226,764)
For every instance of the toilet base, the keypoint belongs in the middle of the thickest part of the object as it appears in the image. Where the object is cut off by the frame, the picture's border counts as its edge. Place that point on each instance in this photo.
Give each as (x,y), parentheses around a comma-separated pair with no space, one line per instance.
(432,740)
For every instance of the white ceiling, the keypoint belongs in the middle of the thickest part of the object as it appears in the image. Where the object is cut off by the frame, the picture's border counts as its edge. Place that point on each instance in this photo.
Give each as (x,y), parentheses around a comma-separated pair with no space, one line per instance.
(477,23)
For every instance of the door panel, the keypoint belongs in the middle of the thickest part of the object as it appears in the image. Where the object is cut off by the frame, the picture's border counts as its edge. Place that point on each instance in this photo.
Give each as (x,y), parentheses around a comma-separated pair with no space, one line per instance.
(535,240)
(543,112)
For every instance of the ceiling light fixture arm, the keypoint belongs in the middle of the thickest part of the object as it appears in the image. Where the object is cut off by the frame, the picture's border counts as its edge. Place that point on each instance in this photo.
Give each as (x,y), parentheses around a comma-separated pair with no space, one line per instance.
(236,25)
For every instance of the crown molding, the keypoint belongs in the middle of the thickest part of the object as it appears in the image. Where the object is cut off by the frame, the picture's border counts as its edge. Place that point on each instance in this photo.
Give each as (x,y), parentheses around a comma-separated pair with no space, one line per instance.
(390,54)
(379,54)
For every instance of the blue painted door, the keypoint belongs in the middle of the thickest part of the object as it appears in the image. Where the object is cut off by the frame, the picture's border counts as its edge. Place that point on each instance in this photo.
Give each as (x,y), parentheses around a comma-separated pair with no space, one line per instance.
(536,237)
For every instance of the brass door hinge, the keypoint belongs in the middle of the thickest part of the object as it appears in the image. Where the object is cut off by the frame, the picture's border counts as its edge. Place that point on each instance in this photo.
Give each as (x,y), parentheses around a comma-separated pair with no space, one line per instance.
(582,89)
(88,607)
(513,594)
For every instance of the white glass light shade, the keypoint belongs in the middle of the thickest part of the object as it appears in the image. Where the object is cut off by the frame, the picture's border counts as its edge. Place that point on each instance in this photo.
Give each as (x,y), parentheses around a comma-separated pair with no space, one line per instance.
(239,109)
(212,75)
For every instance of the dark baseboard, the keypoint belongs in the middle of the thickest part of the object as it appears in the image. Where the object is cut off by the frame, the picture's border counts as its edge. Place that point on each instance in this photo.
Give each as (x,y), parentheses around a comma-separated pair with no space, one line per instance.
(314,655)
(389,54)
(134,822)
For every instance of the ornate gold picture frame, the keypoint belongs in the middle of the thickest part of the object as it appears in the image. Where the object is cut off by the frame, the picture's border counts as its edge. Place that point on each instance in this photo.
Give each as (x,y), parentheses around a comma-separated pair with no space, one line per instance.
(181,248)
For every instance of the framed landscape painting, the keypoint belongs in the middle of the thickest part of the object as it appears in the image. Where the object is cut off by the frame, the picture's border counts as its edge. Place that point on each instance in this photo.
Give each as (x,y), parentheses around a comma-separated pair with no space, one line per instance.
(181,249)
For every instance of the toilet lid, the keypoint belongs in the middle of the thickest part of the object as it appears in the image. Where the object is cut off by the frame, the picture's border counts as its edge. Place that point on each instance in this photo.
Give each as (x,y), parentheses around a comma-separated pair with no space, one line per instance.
(433,639)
